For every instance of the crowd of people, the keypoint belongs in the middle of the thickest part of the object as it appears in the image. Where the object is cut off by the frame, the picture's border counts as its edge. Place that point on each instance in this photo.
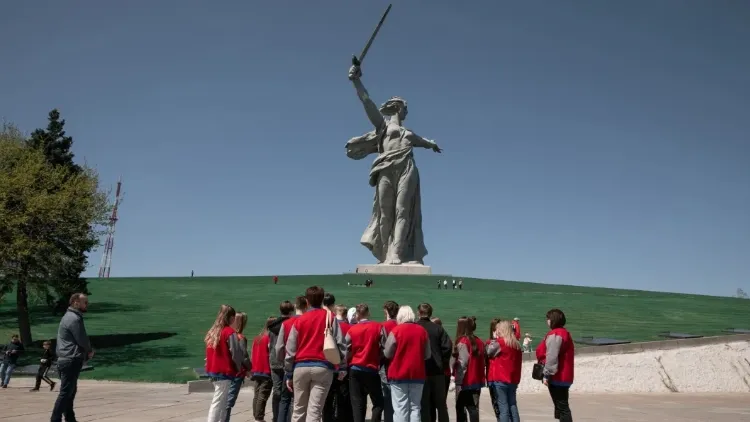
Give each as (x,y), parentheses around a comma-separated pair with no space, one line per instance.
(319,361)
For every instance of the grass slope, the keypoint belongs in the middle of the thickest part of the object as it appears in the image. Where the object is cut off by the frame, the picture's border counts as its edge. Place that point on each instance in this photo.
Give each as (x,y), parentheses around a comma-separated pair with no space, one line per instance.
(151,329)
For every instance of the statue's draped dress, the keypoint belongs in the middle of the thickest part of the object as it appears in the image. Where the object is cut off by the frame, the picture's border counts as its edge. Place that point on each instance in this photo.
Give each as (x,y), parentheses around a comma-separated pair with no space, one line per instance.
(399,168)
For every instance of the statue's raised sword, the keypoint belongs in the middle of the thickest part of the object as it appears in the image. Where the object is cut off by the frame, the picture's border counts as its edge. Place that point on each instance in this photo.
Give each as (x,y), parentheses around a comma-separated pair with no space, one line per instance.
(358,61)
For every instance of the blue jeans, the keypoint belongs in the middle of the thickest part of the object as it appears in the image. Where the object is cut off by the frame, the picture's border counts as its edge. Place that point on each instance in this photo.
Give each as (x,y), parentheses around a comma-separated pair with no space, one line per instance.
(234,391)
(6,370)
(505,398)
(407,402)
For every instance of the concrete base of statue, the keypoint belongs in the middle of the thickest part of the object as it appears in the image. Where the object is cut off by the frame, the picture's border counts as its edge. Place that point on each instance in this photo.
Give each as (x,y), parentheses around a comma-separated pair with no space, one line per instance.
(402,269)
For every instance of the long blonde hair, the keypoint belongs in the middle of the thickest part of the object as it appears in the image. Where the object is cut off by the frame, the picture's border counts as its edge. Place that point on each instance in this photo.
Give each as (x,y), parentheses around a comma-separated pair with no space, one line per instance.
(505,332)
(224,319)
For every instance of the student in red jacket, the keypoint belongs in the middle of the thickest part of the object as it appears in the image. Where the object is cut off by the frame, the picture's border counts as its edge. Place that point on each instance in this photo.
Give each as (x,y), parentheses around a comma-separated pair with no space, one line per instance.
(284,412)
(240,321)
(338,406)
(407,348)
(469,355)
(493,400)
(390,309)
(556,352)
(363,358)
(517,328)
(261,370)
(309,374)
(223,360)
(504,374)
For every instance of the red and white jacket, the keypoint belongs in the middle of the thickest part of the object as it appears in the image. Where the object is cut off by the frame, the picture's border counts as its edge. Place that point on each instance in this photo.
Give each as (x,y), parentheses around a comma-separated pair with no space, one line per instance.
(407,347)
(363,341)
(225,360)
(470,363)
(505,363)
(557,352)
(260,356)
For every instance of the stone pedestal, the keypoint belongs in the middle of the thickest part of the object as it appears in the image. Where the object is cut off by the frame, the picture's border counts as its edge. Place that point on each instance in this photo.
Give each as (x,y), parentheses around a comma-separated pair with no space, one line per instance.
(403,269)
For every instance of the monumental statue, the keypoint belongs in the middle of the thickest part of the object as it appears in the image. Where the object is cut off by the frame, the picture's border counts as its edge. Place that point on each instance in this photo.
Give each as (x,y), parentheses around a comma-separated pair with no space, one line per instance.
(394,235)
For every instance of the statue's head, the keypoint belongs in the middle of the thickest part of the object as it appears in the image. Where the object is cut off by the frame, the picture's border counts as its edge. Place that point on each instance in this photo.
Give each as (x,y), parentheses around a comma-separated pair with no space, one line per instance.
(396,106)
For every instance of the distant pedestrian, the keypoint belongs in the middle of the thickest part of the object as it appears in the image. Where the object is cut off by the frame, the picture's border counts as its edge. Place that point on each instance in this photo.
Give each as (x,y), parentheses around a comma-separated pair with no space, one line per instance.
(445,284)
(438,284)
(73,350)
(454,284)
(460,284)
(192,273)
(45,363)
(275,279)
(13,350)
(527,343)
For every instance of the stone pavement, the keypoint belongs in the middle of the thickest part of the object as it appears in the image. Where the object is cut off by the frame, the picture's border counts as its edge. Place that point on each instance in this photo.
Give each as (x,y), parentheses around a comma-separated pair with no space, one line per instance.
(133,402)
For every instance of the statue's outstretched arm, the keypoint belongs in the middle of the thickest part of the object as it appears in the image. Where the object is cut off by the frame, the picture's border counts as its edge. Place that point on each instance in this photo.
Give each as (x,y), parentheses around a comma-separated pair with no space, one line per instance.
(373,113)
(419,141)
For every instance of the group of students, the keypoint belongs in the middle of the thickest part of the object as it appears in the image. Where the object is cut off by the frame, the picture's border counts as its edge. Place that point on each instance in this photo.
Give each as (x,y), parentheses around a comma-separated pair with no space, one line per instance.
(404,365)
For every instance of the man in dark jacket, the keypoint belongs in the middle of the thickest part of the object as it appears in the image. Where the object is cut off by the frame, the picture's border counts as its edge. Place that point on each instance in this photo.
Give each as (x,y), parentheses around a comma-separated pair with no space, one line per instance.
(286,309)
(10,359)
(73,349)
(433,393)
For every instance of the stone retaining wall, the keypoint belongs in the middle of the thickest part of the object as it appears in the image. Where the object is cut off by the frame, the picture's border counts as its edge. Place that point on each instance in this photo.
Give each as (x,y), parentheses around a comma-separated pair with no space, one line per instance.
(666,344)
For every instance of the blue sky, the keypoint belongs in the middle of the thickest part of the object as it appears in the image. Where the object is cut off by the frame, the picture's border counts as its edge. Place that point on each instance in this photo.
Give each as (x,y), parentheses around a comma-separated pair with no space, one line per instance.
(585,142)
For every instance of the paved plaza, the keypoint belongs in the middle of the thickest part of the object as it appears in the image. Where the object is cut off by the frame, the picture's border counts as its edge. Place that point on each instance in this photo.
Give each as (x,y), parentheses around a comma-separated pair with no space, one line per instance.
(132,402)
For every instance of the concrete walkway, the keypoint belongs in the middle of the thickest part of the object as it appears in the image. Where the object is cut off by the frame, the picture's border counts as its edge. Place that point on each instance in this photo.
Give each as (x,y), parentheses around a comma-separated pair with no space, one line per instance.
(132,402)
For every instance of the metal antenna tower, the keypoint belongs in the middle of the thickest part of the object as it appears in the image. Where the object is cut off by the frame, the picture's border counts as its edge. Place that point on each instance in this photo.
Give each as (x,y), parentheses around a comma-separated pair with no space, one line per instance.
(106,264)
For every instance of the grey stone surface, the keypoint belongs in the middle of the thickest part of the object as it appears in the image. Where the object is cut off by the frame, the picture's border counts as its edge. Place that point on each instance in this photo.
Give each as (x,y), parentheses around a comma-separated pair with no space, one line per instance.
(142,402)
(403,269)
(394,234)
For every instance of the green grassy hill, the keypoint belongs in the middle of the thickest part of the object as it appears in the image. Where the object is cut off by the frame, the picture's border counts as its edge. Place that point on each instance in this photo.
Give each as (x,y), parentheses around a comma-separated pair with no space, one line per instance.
(151,329)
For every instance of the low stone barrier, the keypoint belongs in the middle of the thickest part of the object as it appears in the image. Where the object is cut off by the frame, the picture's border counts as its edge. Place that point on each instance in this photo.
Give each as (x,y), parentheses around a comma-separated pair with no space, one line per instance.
(669,344)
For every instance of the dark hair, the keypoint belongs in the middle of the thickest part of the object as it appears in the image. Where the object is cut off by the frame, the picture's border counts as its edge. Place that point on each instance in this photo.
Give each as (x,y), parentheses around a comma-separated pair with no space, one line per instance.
(437,321)
(286,308)
(300,303)
(362,310)
(75,297)
(391,308)
(14,336)
(315,295)
(425,310)
(465,327)
(493,325)
(556,318)
(328,299)
(47,342)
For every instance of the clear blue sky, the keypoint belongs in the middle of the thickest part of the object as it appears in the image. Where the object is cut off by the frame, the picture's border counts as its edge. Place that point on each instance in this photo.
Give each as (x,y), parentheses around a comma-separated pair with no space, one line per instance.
(586,142)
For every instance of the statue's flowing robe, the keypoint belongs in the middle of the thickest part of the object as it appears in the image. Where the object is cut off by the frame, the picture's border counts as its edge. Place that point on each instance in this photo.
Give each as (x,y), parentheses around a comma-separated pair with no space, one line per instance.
(413,248)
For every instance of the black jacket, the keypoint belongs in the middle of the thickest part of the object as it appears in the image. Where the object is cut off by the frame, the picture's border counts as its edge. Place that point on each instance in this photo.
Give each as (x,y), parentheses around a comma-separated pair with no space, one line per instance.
(48,356)
(273,335)
(440,345)
(12,352)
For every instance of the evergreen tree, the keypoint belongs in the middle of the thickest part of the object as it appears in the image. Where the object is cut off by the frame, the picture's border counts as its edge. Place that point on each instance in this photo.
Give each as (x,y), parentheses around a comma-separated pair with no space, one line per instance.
(56,147)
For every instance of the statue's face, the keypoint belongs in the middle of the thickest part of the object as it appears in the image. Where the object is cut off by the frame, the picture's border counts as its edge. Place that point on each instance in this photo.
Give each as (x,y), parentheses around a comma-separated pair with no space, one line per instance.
(402,112)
